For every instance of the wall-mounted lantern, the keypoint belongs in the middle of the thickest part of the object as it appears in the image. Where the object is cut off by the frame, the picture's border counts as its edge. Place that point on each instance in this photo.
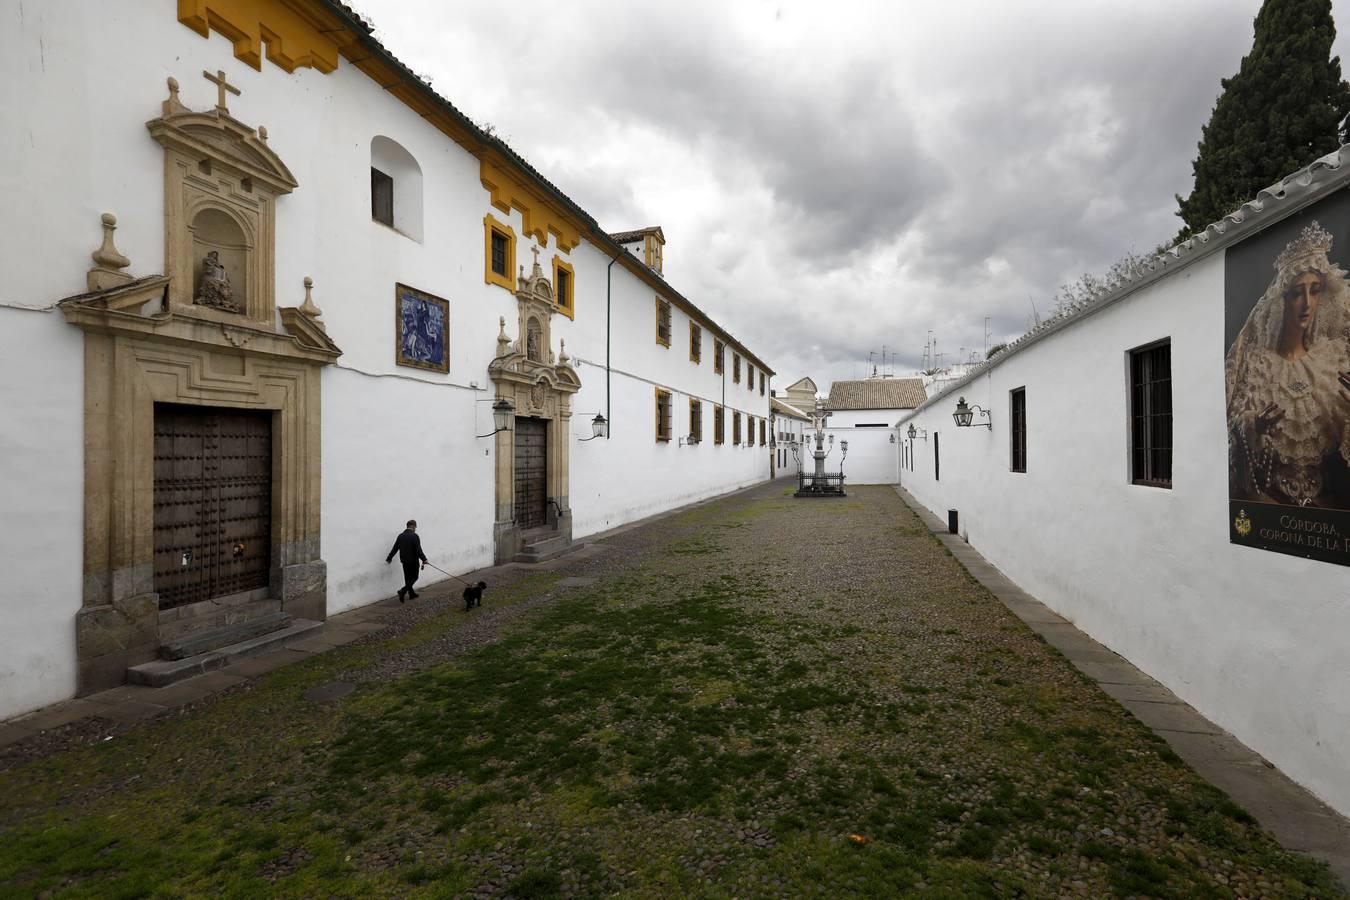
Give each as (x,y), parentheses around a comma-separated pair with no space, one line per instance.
(964,414)
(920,433)
(892,437)
(599,428)
(503,417)
(689,440)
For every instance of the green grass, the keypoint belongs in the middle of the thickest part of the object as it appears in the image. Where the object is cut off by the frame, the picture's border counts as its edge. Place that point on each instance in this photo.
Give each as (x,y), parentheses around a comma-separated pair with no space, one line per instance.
(676,730)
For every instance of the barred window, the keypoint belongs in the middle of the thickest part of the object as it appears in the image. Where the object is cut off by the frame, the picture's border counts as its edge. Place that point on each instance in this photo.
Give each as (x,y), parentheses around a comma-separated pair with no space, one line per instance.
(736,368)
(762,442)
(1018,433)
(695,420)
(662,322)
(695,343)
(1151,415)
(662,415)
(735,428)
(719,425)
(719,356)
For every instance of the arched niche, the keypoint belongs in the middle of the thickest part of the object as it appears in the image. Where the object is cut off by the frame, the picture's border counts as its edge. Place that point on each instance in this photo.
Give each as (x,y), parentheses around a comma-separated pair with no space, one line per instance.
(216,231)
(534,339)
(389,158)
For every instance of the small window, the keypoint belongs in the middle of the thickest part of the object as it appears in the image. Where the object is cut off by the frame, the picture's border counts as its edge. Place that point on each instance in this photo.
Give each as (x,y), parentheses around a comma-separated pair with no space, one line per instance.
(563,289)
(749,377)
(719,425)
(695,343)
(761,384)
(1017,401)
(736,368)
(762,442)
(499,242)
(719,357)
(736,428)
(1151,415)
(937,459)
(395,187)
(662,415)
(695,420)
(381,197)
(662,322)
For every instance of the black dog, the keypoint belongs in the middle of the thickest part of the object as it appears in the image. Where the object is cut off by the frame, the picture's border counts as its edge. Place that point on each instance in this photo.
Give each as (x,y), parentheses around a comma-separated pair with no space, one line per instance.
(473,595)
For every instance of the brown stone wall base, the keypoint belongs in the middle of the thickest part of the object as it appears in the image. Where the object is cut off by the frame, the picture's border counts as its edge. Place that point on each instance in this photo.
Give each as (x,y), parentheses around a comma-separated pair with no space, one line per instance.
(112,636)
(303,589)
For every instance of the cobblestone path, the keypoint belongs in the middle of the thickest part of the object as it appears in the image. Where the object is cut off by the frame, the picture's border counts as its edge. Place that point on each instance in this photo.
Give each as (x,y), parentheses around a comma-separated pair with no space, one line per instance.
(756,696)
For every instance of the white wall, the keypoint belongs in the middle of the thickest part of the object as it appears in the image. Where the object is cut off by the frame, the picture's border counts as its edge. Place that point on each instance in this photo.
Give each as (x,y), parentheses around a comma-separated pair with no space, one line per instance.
(872,458)
(41,507)
(1254,640)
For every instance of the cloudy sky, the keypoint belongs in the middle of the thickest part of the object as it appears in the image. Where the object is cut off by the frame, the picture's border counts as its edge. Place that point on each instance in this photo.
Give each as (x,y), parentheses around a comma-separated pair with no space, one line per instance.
(832,178)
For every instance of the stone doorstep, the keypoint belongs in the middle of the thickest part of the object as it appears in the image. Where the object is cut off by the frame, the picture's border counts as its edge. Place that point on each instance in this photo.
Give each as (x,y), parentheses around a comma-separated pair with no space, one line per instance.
(224,636)
(1293,814)
(162,672)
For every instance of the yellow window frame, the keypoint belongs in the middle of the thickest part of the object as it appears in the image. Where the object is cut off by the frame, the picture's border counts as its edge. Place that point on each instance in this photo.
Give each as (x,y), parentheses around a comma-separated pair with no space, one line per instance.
(566,305)
(491,224)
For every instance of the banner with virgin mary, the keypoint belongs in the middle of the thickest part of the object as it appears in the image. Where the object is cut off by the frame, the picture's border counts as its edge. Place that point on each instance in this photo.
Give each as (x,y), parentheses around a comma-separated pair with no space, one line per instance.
(1287,381)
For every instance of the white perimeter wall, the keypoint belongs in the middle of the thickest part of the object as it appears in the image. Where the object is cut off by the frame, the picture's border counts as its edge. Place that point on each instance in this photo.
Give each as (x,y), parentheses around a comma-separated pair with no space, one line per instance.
(1254,640)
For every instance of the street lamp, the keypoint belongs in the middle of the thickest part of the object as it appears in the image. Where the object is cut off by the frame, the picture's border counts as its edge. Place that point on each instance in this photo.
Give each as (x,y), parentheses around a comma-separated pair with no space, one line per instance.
(503,417)
(964,414)
(599,428)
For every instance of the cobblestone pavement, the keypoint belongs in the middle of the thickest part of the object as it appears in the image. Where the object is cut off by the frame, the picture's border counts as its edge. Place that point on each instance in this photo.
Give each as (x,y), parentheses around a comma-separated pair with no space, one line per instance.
(754,696)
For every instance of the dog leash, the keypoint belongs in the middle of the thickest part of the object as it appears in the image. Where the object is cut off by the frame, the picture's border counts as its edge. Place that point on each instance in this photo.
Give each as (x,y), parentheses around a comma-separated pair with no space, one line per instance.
(456,577)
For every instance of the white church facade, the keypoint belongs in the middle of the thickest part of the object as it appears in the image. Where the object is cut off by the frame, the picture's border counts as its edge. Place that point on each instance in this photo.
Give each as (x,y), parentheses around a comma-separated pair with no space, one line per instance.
(266,296)
(1168,468)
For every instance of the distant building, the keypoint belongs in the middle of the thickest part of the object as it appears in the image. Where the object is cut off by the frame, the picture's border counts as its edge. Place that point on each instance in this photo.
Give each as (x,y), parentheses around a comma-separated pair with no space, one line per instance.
(864,413)
(790,425)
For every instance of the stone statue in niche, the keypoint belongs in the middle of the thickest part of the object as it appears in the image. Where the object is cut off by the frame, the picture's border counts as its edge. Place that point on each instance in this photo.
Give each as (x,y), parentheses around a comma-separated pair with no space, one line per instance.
(533,336)
(215,287)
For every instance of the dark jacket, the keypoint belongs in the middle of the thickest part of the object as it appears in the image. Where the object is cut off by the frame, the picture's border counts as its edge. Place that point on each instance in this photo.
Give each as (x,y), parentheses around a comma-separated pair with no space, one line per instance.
(408,546)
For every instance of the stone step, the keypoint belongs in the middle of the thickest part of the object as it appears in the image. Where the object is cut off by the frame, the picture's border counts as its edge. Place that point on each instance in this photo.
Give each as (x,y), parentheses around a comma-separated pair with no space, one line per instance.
(161,672)
(550,548)
(234,633)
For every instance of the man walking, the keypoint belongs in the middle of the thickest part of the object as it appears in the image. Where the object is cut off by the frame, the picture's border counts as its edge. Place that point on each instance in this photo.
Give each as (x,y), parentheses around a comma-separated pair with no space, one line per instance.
(408,546)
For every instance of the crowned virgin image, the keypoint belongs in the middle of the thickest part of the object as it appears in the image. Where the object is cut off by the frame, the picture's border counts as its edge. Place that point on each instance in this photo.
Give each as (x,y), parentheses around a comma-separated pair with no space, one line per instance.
(1287,378)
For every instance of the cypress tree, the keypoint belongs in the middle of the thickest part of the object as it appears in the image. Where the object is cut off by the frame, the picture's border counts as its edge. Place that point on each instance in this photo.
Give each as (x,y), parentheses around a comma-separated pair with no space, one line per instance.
(1282,110)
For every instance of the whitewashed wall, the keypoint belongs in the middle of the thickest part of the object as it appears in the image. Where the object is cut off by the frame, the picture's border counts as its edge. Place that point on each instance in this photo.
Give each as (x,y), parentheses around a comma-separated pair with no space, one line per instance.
(872,458)
(41,507)
(397,442)
(1254,640)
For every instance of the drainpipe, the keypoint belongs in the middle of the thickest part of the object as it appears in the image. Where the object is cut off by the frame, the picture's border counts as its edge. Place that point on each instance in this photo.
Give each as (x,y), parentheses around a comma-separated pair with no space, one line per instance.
(609,271)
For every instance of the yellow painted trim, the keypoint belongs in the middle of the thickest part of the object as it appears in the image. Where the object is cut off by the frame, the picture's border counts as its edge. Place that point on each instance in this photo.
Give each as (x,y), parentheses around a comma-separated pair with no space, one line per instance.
(695,346)
(490,225)
(566,305)
(538,216)
(664,342)
(296,35)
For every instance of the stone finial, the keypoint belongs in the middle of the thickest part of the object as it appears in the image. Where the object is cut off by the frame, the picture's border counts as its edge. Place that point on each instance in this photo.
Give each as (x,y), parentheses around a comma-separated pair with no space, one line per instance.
(308,307)
(106,273)
(563,358)
(262,133)
(503,342)
(173,106)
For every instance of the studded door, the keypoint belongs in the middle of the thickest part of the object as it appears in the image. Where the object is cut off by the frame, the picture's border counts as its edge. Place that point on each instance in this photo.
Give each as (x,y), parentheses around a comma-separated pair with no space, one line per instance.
(531,472)
(213,502)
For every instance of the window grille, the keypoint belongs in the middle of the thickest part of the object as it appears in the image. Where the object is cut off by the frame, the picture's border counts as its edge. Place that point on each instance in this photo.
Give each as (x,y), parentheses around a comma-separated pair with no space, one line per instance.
(499,253)
(662,322)
(719,356)
(1151,415)
(662,415)
(695,343)
(719,425)
(1018,433)
(695,420)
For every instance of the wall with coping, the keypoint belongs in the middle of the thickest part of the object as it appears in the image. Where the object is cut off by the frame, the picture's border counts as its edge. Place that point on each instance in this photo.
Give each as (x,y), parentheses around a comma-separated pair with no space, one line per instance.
(1254,640)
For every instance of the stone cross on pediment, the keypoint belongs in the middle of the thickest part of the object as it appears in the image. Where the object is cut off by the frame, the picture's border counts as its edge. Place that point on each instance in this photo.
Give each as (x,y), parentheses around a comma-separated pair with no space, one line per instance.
(222,86)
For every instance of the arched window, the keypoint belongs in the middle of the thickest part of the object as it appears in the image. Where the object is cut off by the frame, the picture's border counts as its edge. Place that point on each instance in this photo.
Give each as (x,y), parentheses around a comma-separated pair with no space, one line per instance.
(395,187)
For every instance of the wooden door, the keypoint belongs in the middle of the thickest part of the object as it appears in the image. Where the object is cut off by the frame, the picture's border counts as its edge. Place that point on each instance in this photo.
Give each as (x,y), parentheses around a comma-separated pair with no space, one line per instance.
(213,502)
(531,472)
